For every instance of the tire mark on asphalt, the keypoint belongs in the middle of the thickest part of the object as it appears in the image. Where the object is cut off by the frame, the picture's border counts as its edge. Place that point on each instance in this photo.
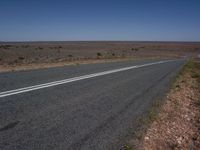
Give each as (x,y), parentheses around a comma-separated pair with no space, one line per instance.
(78,144)
(9,126)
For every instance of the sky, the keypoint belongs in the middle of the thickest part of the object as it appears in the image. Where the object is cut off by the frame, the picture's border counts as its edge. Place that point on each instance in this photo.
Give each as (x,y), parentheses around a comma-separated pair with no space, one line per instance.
(112,20)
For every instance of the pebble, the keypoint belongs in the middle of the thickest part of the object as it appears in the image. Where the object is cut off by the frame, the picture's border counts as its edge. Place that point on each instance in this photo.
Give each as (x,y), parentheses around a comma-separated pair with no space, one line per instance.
(179,140)
(146,138)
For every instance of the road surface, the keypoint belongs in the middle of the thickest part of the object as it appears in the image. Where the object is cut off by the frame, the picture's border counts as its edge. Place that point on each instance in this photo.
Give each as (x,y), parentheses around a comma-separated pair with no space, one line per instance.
(92,106)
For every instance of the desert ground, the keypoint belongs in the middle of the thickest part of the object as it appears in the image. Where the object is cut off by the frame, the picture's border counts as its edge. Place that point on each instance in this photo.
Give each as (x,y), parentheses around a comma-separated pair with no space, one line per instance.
(15,55)
(126,104)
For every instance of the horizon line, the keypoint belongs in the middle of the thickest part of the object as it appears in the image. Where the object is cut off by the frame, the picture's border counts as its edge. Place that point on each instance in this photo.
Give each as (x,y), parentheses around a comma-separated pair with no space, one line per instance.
(43,41)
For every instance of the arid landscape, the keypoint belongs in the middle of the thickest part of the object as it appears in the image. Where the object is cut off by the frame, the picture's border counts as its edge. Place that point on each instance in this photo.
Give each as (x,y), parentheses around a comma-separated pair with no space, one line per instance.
(100,75)
(22,55)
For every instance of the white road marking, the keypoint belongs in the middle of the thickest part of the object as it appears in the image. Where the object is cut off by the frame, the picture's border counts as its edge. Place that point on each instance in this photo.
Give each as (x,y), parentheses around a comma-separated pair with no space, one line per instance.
(50,84)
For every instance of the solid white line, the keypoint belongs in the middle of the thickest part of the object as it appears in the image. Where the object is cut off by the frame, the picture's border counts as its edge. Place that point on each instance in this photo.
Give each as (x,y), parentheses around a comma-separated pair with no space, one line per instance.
(50,84)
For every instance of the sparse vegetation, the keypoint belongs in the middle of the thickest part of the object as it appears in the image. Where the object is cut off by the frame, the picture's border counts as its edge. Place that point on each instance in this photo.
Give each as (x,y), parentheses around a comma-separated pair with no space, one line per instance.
(35,53)
(6,46)
(128,148)
(152,114)
(175,116)
(192,68)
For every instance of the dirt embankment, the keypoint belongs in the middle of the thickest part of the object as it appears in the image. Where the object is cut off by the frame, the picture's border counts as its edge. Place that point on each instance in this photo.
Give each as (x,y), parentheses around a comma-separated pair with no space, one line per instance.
(178,124)
(20,56)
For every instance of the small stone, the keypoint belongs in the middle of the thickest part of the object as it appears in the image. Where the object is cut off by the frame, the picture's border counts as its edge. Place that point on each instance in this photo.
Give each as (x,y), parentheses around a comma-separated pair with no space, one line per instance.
(146,138)
(179,140)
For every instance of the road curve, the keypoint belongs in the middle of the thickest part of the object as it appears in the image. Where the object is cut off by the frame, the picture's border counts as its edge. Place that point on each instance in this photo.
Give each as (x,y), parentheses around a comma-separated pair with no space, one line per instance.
(91,112)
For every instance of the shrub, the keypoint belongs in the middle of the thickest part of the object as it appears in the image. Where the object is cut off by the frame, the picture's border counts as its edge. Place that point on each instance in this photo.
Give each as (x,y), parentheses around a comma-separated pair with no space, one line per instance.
(99,54)
(21,58)
(40,48)
(135,49)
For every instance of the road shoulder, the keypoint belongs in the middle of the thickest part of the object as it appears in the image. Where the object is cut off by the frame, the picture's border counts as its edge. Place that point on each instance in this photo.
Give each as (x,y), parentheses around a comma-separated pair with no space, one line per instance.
(178,123)
(172,122)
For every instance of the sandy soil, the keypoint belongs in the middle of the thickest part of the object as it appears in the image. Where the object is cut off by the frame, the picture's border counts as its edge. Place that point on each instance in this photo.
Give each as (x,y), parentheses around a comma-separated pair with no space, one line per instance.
(17,56)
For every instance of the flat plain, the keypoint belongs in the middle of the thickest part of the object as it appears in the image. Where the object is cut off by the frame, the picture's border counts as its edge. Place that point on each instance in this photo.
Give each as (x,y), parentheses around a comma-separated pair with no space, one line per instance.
(23,55)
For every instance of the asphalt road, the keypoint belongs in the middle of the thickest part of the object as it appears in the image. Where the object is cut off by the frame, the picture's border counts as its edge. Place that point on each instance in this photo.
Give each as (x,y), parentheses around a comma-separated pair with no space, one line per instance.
(93,112)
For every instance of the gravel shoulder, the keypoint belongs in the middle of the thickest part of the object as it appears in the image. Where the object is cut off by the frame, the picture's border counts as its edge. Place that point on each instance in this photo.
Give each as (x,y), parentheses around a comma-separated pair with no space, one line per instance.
(178,123)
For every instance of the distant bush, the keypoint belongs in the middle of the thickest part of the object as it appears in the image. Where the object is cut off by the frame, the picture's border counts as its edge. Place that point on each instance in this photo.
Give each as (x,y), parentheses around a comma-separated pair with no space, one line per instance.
(40,48)
(56,47)
(99,54)
(113,54)
(21,58)
(135,49)
(70,55)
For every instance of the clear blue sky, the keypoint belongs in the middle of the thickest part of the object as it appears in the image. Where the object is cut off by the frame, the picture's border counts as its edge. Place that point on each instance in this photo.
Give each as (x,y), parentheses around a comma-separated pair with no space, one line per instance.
(47,20)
